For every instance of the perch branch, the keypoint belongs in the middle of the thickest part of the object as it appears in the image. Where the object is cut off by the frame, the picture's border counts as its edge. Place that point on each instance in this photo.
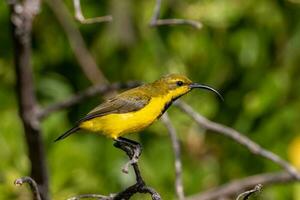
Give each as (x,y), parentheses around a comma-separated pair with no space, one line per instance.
(21,18)
(248,193)
(89,92)
(138,187)
(176,149)
(79,16)
(155,21)
(235,187)
(33,186)
(82,54)
(237,137)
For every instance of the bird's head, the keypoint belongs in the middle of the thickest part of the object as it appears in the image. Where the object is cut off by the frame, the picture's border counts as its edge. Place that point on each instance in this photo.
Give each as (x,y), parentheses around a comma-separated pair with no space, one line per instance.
(177,85)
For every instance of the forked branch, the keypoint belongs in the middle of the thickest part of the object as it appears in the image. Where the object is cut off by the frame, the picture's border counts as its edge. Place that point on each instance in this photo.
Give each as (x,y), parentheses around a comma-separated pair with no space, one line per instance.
(138,187)
(247,194)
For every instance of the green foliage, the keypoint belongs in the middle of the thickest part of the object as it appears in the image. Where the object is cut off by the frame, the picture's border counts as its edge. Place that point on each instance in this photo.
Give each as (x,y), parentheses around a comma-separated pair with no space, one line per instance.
(249,50)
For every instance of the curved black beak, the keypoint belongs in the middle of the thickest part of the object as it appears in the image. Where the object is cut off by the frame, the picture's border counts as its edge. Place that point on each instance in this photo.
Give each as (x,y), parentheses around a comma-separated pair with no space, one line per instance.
(206,87)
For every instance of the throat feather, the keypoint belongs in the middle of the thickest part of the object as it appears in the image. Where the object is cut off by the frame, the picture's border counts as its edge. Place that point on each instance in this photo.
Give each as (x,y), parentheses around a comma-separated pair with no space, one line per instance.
(168,104)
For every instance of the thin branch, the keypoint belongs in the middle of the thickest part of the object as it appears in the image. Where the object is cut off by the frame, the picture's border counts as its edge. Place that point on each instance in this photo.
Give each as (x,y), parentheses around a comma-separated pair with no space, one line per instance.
(162,22)
(82,54)
(237,137)
(90,196)
(235,187)
(89,92)
(79,16)
(248,193)
(33,186)
(155,21)
(140,185)
(176,149)
(22,15)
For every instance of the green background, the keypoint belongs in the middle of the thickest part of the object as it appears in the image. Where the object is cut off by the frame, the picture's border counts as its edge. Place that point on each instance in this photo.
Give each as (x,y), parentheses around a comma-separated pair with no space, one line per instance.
(248,50)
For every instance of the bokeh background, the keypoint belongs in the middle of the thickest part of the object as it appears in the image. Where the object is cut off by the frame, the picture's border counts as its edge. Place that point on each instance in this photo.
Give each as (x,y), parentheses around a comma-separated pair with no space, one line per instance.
(248,50)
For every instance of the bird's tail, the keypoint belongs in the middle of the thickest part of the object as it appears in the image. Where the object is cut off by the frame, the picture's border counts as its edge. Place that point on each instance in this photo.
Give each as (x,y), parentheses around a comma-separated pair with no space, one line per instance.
(66,134)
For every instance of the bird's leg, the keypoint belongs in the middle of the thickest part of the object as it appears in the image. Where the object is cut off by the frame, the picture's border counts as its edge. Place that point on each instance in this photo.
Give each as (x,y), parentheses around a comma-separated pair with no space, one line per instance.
(132,148)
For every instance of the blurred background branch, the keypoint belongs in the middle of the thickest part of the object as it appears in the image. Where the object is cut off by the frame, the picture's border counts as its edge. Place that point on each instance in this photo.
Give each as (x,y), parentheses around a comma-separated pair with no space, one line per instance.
(156,21)
(235,187)
(239,138)
(82,54)
(177,158)
(21,17)
(83,95)
(79,16)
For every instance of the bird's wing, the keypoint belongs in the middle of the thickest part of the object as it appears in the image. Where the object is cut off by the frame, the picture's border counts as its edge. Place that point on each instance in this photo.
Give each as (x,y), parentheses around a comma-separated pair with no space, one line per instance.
(129,101)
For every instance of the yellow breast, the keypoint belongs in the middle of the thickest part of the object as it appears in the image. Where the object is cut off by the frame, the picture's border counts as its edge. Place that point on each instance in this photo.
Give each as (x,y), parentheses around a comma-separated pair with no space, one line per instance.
(115,125)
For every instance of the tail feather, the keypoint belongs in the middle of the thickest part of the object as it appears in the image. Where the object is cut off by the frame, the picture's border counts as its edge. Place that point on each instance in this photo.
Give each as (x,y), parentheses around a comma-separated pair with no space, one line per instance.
(66,134)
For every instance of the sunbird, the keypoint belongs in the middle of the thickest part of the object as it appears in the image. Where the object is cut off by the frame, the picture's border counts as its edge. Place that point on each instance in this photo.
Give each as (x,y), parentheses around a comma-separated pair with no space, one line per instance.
(135,109)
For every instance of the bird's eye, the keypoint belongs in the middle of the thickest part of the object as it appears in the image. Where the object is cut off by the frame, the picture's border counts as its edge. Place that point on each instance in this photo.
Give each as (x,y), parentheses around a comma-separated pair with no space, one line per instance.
(179,83)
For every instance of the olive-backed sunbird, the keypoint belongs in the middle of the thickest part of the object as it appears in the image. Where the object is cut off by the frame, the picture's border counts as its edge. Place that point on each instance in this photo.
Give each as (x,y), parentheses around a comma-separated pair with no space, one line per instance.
(137,108)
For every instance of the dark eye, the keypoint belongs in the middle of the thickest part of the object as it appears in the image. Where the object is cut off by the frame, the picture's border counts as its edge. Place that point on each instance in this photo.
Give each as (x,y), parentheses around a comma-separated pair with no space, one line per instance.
(179,83)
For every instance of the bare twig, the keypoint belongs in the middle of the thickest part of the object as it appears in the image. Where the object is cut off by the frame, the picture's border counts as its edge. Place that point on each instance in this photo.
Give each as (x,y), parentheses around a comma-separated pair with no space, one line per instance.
(78,46)
(22,15)
(237,137)
(33,186)
(90,196)
(176,149)
(235,187)
(247,194)
(155,21)
(79,16)
(89,92)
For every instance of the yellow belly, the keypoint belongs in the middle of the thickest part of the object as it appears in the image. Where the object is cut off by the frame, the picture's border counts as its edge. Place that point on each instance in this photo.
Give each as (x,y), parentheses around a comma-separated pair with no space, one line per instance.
(116,125)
